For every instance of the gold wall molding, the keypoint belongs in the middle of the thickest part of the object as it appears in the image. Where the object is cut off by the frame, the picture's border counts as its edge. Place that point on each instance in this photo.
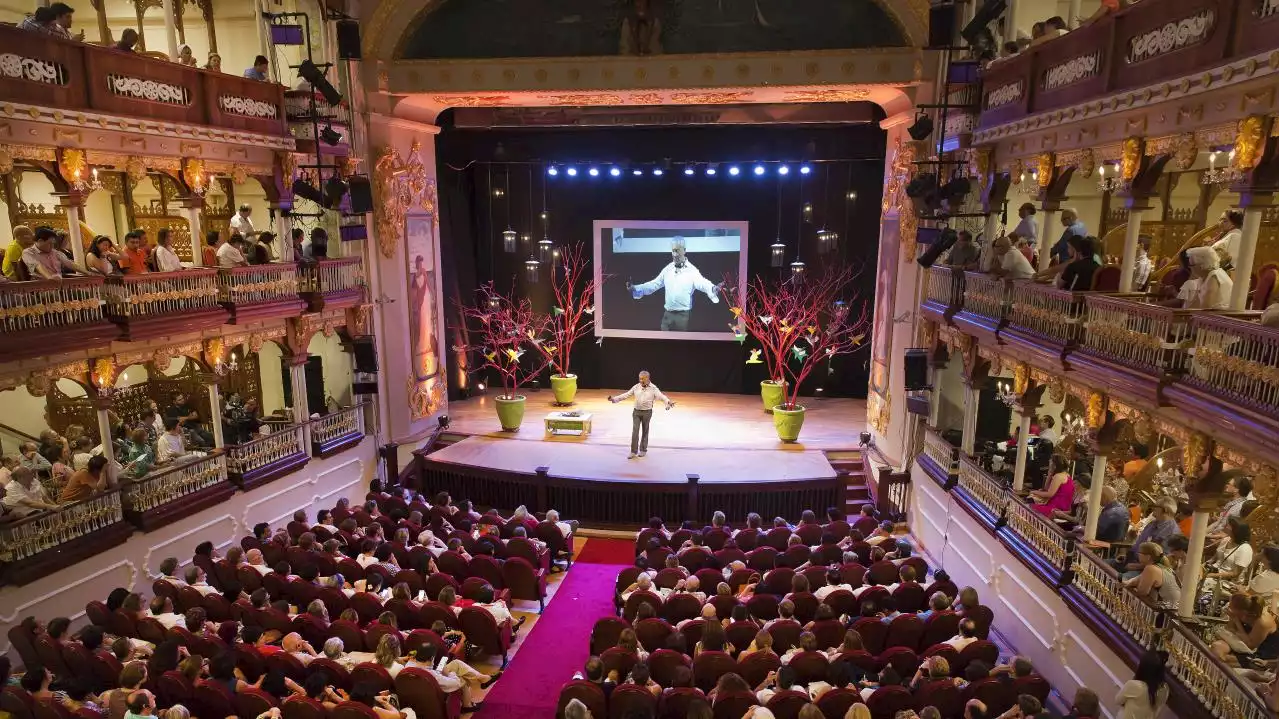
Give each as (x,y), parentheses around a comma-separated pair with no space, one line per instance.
(400,184)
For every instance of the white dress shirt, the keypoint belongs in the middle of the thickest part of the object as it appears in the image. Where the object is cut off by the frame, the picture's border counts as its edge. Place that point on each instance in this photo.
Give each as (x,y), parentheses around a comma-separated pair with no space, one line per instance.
(822,592)
(242,224)
(680,284)
(169,447)
(14,493)
(166,260)
(644,395)
(1229,243)
(229,256)
(1015,265)
(169,620)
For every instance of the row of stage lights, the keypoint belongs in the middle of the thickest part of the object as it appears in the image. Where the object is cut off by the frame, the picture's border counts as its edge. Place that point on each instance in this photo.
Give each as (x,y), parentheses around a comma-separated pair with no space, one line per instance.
(710,169)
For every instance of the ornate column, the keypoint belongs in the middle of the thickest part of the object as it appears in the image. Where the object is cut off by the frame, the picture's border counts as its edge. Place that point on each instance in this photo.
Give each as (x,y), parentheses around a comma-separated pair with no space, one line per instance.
(1243,262)
(1094,505)
(102,408)
(1050,212)
(969,429)
(215,411)
(1190,576)
(1129,258)
(171,29)
(191,207)
(1073,14)
(73,201)
(1020,464)
(284,240)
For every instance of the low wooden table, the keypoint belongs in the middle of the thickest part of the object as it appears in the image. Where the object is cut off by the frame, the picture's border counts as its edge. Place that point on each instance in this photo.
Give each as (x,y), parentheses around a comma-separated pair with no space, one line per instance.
(557,422)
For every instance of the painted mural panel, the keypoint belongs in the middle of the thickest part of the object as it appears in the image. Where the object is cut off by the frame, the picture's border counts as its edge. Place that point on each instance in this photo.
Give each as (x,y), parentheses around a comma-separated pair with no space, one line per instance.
(426,385)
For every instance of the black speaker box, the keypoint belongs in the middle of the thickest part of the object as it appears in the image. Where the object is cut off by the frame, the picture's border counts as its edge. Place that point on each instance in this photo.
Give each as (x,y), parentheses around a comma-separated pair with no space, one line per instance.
(348,39)
(364,387)
(361,194)
(942,25)
(915,368)
(366,355)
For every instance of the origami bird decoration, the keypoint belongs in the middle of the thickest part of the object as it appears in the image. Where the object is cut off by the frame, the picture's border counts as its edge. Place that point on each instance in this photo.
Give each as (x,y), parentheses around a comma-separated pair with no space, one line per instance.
(492,357)
(515,355)
(857,340)
(799,352)
(785,328)
(550,349)
(589,310)
(755,358)
(766,319)
(599,342)
(557,311)
(739,337)
(737,311)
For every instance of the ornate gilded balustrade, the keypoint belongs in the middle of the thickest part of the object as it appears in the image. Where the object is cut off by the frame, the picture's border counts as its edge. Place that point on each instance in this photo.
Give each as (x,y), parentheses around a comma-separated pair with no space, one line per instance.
(267,457)
(342,427)
(945,287)
(1235,360)
(28,537)
(1045,311)
(1216,685)
(257,283)
(159,293)
(1102,585)
(940,451)
(986,296)
(172,483)
(1146,337)
(986,490)
(46,317)
(1041,534)
(337,282)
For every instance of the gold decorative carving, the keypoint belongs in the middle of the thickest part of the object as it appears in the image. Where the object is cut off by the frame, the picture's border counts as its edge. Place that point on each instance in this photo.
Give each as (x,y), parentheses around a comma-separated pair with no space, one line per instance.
(1044,168)
(239,174)
(1083,160)
(646,98)
(1021,378)
(901,170)
(1195,450)
(425,396)
(104,372)
(135,169)
(878,412)
(39,381)
(1057,390)
(1248,144)
(6,159)
(193,174)
(1016,170)
(584,98)
(846,95)
(979,162)
(400,184)
(473,100)
(1262,521)
(72,166)
(1130,157)
(360,320)
(215,352)
(711,98)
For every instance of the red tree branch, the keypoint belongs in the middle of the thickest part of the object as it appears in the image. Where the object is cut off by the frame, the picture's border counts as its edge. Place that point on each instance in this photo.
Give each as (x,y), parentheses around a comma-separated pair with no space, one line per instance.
(509,337)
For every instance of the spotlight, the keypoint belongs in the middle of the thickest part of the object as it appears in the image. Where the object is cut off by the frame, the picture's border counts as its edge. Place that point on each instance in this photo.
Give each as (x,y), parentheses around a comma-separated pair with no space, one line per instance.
(334,190)
(593,172)
(614,172)
(571,172)
(734,170)
(804,169)
(313,74)
(921,129)
(330,135)
(783,169)
(306,190)
(657,172)
(711,170)
(553,171)
(759,169)
(688,170)
(637,172)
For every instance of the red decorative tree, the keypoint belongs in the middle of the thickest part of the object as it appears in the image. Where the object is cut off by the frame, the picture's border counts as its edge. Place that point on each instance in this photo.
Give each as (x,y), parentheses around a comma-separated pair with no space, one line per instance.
(800,322)
(510,338)
(575,291)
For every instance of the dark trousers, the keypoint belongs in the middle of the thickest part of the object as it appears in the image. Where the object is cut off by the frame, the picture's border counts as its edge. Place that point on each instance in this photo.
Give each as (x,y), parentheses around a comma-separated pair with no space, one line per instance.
(675,321)
(640,430)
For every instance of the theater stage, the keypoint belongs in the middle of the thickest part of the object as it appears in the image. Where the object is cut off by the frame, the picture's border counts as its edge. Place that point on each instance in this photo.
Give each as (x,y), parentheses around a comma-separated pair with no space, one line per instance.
(721,437)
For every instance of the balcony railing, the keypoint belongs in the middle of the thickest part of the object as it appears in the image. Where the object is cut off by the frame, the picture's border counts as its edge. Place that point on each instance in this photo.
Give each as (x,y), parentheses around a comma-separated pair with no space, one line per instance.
(28,537)
(269,456)
(945,287)
(1046,538)
(1046,311)
(988,492)
(76,76)
(1138,46)
(335,426)
(986,296)
(941,452)
(333,275)
(50,303)
(172,483)
(1146,337)
(1102,585)
(1235,360)
(161,293)
(1215,684)
(257,283)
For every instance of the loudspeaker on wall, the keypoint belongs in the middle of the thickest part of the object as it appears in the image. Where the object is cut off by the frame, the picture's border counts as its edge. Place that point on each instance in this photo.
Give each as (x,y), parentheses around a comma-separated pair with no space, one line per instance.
(915,368)
(348,39)
(361,194)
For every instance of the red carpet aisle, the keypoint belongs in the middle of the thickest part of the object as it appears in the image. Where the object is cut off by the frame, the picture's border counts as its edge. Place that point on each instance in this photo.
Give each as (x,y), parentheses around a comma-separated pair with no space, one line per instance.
(559,643)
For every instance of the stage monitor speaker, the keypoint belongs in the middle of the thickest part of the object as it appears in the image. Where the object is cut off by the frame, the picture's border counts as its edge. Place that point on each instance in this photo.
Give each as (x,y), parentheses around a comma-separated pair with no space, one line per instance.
(361,194)
(348,39)
(942,25)
(363,388)
(915,368)
(366,355)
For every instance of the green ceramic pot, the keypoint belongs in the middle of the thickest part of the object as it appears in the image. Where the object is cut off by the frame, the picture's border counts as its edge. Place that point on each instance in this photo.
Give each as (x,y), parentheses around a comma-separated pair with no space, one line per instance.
(772,394)
(510,412)
(564,387)
(788,422)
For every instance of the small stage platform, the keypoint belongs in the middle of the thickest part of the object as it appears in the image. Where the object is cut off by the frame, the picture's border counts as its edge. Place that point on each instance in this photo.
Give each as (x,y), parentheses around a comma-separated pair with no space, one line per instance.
(728,441)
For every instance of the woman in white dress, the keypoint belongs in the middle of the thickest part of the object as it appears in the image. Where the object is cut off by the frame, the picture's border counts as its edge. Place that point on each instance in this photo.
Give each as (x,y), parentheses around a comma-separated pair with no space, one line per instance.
(1212,285)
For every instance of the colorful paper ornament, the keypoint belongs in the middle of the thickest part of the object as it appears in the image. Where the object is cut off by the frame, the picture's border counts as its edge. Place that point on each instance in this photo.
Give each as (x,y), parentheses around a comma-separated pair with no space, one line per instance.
(799,352)
(755,358)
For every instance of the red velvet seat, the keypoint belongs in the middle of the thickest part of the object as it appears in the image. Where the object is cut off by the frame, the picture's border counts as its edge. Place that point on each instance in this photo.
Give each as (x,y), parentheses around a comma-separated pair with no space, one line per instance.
(997,694)
(617,659)
(886,702)
(678,703)
(350,634)
(786,634)
(905,630)
(50,652)
(724,605)
(557,544)
(217,608)
(637,598)
(373,674)
(367,606)
(756,666)
(631,701)
(652,633)
(296,707)
(733,705)
(852,574)
(862,659)
(432,612)
(668,578)
(794,556)
(438,581)
(747,539)
(740,634)
(842,602)
(482,630)
(173,687)
(663,664)
(352,710)
(787,704)
(287,664)
(679,607)
(406,614)
(909,597)
(944,695)
(982,618)
(99,614)
(763,606)
(524,582)
(903,660)
(522,548)
(486,568)
(17,702)
(106,668)
(981,650)
(252,702)
(762,559)
(939,627)
(250,579)
(605,634)
(873,632)
(836,703)
(806,605)
(211,699)
(777,581)
(586,692)
(810,667)
(1035,685)
(696,558)
(336,673)
(829,633)
(335,601)
(418,690)
(374,633)
(708,668)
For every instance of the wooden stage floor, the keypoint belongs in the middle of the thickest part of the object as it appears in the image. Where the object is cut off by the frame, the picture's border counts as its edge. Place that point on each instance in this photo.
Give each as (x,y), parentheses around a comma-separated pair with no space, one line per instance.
(720,437)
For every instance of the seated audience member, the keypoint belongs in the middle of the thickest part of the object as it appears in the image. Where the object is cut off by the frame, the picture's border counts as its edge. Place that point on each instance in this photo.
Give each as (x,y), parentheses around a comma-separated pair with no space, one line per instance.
(593,671)
(639,677)
(259,69)
(888,677)
(763,643)
(566,528)
(231,254)
(644,584)
(1155,579)
(934,669)
(967,599)
(133,256)
(967,635)
(171,444)
(786,612)
(162,611)
(86,482)
(222,670)
(852,643)
(24,495)
(1251,631)
(501,613)
(138,454)
(454,676)
(882,533)
(196,580)
(939,602)
(1232,559)
(114,701)
(1085,705)
(165,259)
(784,679)
(43,260)
(1113,517)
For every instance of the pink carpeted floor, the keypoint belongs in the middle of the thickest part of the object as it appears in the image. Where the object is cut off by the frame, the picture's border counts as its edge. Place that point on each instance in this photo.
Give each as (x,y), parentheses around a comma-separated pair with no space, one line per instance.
(560,642)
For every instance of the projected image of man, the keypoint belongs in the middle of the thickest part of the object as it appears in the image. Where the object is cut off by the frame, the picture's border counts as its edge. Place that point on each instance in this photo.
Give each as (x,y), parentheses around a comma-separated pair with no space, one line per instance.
(680,279)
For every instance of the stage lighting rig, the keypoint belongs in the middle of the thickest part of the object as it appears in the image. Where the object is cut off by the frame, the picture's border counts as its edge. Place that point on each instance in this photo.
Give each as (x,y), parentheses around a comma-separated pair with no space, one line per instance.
(335,188)
(783,169)
(330,135)
(312,73)
(734,170)
(688,170)
(922,128)
(553,171)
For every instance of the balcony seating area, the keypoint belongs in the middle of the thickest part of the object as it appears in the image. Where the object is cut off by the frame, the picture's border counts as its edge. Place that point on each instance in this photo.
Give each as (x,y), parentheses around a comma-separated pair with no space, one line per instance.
(1084,577)
(329,610)
(35,545)
(815,614)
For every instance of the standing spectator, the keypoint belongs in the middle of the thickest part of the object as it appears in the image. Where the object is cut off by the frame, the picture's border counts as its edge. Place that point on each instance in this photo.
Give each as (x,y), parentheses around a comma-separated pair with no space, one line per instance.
(1142,264)
(300,245)
(39,21)
(1228,242)
(214,63)
(61,25)
(319,248)
(1072,227)
(128,39)
(964,254)
(259,70)
(186,56)
(166,260)
(1143,696)
(240,222)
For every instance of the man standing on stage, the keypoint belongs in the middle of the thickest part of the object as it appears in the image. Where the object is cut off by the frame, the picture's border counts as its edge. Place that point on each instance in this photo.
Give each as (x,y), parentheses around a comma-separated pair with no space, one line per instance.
(645,393)
(680,279)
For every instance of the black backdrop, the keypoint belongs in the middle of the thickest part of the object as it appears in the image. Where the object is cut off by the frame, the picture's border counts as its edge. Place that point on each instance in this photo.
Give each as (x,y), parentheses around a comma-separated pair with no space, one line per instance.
(472,163)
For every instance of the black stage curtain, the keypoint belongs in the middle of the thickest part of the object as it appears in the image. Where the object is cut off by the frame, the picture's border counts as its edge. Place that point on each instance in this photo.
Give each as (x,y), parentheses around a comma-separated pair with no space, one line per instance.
(475,163)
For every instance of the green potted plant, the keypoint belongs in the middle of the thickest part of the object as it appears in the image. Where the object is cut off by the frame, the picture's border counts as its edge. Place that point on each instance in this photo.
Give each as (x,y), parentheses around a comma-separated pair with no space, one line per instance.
(800,323)
(574,293)
(511,341)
